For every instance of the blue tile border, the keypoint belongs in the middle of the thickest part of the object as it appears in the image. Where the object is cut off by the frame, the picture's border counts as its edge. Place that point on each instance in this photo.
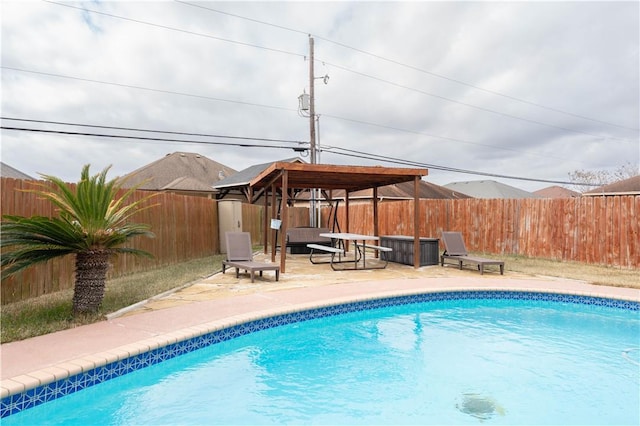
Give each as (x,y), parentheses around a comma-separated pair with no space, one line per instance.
(42,394)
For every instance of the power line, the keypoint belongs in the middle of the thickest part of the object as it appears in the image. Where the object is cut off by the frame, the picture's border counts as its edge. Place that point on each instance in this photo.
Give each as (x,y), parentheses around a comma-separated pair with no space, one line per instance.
(493,92)
(440,137)
(367,156)
(130,86)
(444,98)
(334,65)
(137,21)
(141,138)
(328,149)
(264,106)
(244,17)
(402,64)
(151,131)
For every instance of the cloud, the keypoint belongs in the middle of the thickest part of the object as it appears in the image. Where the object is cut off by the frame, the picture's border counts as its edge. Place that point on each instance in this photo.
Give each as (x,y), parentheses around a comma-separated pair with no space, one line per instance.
(532,89)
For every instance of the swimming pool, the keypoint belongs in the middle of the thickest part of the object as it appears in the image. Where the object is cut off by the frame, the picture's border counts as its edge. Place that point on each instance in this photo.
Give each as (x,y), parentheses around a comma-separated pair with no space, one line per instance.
(498,357)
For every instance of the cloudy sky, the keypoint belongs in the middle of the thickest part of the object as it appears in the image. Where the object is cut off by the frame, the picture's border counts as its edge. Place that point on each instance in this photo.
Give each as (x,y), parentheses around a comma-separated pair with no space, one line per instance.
(534,90)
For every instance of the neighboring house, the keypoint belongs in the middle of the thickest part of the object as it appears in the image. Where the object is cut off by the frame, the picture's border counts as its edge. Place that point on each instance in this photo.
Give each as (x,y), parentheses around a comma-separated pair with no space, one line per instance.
(9,172)
(489,189)
(556,192)
(180,172)
(404,191)
(629,186)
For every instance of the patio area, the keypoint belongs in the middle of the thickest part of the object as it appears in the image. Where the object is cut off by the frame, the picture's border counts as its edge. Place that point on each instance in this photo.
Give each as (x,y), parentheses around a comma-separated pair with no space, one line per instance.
(223,300)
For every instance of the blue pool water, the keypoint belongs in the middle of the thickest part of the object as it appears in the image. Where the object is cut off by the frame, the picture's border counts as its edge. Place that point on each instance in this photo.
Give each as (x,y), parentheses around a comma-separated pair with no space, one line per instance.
(445,362)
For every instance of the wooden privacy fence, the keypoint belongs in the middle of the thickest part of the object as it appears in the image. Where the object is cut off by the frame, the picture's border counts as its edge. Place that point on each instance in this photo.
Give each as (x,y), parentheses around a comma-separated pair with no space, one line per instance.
(185,228)
(596,230)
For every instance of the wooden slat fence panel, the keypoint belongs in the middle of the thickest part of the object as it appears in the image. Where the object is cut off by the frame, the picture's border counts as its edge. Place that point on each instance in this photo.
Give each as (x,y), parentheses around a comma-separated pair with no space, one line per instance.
(52,276)
(185,227)
(597,230)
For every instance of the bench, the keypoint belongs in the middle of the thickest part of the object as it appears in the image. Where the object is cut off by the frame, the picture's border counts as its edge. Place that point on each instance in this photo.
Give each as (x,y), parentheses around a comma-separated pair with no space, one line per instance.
(315,248)
(359,254)
(383,250)
(327,249)
(379,248)
(298,239)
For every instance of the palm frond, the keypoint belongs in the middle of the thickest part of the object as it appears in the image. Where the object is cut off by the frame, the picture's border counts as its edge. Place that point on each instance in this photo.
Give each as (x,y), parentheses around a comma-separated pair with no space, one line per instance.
(130,250)
(91,217)
(17,260)
(38,230)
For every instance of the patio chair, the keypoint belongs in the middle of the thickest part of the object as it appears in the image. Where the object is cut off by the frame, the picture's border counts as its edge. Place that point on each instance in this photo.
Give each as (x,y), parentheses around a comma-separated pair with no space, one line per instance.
(240,256)
(455,249)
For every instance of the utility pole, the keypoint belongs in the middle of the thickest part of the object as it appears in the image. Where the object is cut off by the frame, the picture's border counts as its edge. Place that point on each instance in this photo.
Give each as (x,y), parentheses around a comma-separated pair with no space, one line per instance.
(312,108)
(307,105)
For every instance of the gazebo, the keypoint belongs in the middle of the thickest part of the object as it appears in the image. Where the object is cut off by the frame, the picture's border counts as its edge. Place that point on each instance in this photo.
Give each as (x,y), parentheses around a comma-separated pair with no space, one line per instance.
(283,176)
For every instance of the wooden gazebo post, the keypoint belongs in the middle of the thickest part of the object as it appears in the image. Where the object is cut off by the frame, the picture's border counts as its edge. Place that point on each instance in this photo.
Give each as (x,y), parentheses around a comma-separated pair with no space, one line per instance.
(285,219)
(346,217)
(273,216)
(375,214)
(265,221)
(416,222)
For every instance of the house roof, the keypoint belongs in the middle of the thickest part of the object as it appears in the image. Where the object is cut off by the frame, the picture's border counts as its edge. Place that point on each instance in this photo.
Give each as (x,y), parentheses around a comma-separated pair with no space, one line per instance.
(629,186)
(184,171)
(9,172)
(489,189)
(186,184)
(556,192)
(404,191)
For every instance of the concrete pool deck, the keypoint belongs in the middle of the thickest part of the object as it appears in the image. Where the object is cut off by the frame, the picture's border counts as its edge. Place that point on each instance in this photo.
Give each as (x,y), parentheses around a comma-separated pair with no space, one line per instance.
(223,300)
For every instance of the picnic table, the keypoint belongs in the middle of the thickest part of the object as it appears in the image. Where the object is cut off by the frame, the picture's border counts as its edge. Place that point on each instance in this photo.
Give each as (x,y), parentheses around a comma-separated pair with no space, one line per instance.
(361,246)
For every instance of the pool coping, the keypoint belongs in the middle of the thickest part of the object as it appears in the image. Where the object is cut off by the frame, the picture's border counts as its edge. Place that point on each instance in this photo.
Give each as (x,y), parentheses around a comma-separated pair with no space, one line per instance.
(233,311)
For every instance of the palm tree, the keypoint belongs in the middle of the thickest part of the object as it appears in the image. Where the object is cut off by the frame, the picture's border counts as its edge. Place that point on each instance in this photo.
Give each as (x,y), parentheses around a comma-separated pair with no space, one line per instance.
(92,224)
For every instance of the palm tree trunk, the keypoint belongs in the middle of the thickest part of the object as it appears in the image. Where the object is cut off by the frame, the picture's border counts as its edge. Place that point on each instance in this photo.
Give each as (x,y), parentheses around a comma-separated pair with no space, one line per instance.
(91,276)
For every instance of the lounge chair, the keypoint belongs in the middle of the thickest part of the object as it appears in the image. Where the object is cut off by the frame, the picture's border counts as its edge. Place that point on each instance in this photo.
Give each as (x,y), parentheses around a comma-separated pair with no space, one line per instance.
(455,249)
(240,256)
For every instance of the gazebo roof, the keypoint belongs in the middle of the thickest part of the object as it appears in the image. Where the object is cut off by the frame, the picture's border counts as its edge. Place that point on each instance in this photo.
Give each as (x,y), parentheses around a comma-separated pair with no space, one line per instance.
(330,176)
